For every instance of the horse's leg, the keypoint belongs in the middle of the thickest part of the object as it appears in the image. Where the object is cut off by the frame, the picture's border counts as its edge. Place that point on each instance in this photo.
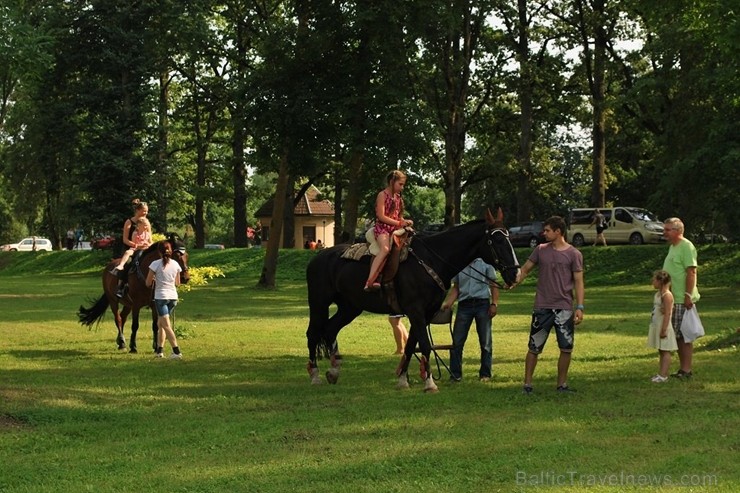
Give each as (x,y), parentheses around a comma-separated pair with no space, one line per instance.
(417,332)
(319,314)
(120,338)
(123,316)
(134,330)
(344,315)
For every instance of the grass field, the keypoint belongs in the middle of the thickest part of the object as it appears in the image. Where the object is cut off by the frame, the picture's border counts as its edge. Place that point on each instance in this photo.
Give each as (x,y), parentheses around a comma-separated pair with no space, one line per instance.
(238,413)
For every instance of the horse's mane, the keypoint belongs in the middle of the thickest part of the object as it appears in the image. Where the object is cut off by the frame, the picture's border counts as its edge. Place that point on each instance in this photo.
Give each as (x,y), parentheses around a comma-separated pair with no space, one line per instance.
(174,242)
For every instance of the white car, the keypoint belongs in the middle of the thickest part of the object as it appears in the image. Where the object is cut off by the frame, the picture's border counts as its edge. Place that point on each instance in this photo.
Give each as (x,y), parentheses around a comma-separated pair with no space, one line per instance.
(33,243)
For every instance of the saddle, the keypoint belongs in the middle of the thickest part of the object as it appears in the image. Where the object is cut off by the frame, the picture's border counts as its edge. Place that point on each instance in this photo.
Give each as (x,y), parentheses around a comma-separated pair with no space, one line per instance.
(400,242)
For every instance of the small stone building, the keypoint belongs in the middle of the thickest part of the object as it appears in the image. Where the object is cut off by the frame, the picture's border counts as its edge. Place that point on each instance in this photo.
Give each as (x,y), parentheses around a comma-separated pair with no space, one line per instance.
(314,219)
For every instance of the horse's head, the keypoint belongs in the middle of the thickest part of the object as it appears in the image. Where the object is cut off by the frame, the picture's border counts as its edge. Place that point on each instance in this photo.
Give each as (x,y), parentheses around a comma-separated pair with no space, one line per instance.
(498,251)
(180,254)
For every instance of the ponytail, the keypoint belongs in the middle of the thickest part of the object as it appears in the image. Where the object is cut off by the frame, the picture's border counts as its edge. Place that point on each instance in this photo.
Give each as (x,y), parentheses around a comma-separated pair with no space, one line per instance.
(165,251)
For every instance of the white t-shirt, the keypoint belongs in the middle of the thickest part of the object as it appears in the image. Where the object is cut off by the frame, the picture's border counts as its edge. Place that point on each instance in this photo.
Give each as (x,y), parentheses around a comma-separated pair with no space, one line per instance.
(164,279)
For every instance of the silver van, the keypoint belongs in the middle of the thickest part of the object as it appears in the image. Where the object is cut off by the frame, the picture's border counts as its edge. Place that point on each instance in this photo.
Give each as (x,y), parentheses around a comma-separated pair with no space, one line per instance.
(631,225)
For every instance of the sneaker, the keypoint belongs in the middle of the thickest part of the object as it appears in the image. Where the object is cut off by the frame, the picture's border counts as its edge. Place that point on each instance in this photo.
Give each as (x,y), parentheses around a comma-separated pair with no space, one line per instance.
(485,379)
(455,380)
(119,293)
(565,389)
(659,379)
(176,356)
(682,374)
(527,390)
(158,355)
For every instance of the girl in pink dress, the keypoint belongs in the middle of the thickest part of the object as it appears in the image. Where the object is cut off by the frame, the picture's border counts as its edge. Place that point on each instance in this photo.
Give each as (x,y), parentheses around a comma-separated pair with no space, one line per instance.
(142,239)
(389,217)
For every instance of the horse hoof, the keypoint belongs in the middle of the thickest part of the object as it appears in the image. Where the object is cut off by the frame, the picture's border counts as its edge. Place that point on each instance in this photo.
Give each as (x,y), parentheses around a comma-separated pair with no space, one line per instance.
(313,374)
(121,347)
(332,375)
(133,350)
(430,387)
(403,382)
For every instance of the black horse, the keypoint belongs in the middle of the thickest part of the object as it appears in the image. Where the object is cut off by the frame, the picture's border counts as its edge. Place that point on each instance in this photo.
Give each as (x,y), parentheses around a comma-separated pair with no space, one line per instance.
(138,296)
(420,286)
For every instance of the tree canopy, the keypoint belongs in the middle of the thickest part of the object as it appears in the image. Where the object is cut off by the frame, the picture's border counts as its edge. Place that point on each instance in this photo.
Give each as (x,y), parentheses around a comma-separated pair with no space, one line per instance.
(206,108)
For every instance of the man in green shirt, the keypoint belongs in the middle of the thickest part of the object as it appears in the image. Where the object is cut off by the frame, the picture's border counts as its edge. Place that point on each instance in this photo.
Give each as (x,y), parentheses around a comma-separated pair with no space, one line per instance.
(681,264)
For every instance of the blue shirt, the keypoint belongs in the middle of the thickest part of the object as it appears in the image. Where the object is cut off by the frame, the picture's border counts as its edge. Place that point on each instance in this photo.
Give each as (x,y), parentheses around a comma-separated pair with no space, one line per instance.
(473,282)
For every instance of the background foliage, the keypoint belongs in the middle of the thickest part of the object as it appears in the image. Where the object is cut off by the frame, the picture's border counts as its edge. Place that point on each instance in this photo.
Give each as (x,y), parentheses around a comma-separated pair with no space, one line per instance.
(199,107)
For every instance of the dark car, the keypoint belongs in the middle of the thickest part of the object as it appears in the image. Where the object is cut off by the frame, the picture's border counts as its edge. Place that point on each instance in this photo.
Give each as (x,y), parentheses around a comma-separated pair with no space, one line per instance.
(103,243)
(528,234)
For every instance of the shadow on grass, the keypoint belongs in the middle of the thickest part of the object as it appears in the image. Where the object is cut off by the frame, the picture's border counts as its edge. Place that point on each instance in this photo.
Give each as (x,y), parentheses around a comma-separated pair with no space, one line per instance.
(49,354)
(729,339)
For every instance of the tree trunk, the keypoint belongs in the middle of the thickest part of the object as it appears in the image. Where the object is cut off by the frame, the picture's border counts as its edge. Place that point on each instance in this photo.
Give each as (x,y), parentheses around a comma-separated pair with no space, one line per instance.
(239,178)
(162,142)
(524,158)
(269,268)
(598,190)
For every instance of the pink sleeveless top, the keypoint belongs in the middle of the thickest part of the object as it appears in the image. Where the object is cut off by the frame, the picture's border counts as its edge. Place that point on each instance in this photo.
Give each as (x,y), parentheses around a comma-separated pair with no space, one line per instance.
(393,205)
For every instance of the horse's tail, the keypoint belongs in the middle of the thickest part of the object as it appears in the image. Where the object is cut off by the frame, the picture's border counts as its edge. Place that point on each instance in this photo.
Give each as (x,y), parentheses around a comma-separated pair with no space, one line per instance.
(89,316)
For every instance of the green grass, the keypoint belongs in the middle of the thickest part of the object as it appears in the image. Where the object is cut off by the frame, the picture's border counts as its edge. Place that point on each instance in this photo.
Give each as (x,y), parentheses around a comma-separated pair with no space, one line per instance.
(238,413)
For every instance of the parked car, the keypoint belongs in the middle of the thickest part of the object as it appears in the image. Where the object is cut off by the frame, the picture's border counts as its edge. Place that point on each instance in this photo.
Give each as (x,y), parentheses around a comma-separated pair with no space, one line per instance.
(103,243)
(631,225)
(30,244)
(528,234)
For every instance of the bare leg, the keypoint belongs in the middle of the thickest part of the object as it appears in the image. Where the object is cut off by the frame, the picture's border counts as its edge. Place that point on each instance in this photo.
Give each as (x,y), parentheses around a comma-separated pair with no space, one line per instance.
(665,363)
(384,242)
(563,365)
(530,363)
(400,334)
(685,354)
(166,328)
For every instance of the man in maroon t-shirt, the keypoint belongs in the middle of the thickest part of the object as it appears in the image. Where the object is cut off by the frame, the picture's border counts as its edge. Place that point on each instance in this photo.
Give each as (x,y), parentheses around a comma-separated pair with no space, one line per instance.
(560,273)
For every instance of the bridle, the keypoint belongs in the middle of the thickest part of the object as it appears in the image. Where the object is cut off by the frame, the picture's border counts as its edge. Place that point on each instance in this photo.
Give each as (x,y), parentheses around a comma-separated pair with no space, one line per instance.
(490,233)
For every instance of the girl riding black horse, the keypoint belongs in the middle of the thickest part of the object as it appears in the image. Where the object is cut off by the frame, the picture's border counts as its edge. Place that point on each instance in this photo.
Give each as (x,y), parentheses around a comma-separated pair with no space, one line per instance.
(419,285)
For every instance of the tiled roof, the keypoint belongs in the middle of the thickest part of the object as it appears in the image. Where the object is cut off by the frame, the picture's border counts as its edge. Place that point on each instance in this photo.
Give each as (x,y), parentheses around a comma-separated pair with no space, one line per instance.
(309,205)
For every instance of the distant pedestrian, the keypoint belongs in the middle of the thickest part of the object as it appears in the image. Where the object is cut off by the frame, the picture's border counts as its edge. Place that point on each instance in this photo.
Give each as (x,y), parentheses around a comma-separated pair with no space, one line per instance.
(600,223)
(70,239)
(78,237)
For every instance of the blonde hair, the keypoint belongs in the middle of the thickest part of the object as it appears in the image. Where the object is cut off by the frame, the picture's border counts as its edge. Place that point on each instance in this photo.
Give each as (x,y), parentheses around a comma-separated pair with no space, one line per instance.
(145,222)
(395,176)
(663,277)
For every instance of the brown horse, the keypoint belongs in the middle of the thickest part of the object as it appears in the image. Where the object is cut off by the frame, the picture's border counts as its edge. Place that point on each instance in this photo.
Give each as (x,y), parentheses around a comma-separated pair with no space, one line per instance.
(137,296)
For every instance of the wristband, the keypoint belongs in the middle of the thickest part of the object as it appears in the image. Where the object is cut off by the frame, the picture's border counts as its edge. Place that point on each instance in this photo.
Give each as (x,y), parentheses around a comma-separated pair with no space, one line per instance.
(579,307)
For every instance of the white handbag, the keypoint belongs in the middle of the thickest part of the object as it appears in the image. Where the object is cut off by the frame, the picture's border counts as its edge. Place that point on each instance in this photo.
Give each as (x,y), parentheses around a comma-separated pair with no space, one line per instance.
(691,326)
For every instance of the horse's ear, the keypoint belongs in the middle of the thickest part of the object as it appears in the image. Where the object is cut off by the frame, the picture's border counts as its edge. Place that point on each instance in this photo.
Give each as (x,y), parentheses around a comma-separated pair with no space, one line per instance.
(493,220)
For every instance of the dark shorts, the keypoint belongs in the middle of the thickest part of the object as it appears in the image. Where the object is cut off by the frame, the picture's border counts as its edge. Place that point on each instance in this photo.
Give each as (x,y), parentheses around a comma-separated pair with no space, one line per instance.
(599,230)
(543,320)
